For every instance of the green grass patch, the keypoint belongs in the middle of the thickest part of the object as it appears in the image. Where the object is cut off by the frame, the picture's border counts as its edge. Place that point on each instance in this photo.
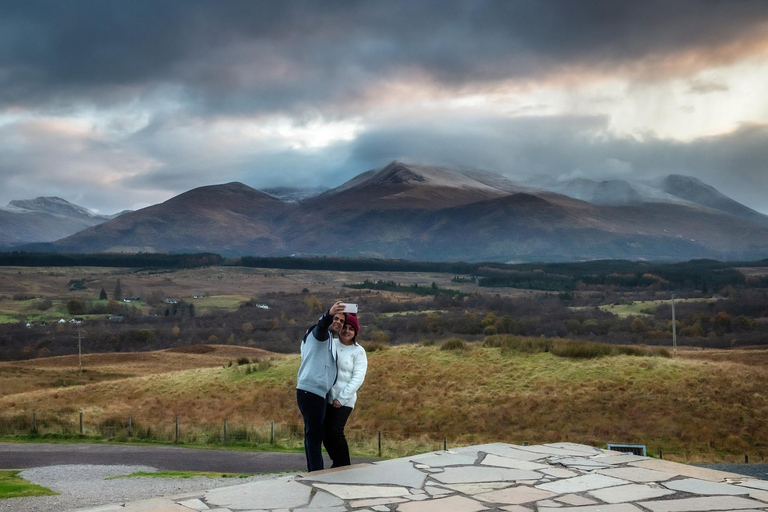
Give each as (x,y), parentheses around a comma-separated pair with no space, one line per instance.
(8,319)
(182,474)
(227,302)
(412,312)
(13,486)
(639,308)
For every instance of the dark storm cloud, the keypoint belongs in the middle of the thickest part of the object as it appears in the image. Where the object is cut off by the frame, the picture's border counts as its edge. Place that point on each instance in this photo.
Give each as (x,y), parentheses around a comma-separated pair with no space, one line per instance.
(244,56)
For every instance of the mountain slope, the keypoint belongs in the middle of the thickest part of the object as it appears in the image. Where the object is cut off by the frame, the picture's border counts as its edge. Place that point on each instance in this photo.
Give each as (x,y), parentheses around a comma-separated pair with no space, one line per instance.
(43,219)
(695,191)
(228,219)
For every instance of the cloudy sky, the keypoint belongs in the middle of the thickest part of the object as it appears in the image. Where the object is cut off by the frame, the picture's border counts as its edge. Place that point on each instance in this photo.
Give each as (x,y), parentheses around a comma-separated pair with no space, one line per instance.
(123,104)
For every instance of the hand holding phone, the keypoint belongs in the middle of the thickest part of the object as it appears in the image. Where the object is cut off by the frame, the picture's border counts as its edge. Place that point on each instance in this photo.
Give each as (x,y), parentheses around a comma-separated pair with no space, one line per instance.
(349,308)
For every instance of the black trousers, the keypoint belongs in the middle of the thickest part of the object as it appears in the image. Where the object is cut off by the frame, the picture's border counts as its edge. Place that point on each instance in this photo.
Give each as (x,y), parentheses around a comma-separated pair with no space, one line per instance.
(312,409)
(334,440)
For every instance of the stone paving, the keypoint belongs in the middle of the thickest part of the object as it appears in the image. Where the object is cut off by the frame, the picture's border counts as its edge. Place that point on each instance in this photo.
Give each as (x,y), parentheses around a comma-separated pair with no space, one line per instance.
(559,477)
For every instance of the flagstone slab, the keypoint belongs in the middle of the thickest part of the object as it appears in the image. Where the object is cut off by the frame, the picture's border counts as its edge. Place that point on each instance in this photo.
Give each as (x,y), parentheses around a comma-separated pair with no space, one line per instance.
(508,462)
(548,503)
(473,474)
(476,488)
(579,462)
(357,492)
(620,458)
(632,492)
(323,499)
(374,502)
(702,504)
(575,500)
(194,504)
(507,450)
(756,484)
(637,475)
(515,495)
(452,504)
(581,484)
(559,472)
(587,450)
(515,508)
(619,507)
(438,491)
(697,486)
(675,468)
(154,505)
(272,494)
(324,509)
(441,459)
(391,472)
(759,495)
(552,450)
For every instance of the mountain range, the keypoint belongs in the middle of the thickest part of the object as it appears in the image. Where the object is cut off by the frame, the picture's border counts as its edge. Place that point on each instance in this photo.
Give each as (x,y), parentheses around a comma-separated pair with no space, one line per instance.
(431,213)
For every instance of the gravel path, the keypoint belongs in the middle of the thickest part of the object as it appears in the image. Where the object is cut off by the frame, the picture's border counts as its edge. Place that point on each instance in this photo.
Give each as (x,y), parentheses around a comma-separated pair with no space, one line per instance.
(83,486)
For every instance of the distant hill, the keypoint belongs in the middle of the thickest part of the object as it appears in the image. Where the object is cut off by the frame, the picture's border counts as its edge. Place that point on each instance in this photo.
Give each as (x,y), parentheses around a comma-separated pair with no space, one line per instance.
(225,219)
(431,213)
(43,219)
(672,189)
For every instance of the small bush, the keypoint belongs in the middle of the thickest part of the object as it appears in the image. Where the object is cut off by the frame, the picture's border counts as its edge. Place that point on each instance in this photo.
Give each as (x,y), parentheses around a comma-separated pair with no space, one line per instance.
(428,342)
(453,344)
(373,347)
(242,360)
(515,344)
(580,349)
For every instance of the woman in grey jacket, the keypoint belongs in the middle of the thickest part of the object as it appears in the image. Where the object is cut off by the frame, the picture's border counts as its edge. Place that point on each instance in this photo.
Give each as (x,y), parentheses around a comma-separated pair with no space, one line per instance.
(316,377)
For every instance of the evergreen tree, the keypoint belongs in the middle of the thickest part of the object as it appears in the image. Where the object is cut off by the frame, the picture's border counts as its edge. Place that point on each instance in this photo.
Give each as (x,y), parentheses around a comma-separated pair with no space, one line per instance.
(103,294)
(118,294)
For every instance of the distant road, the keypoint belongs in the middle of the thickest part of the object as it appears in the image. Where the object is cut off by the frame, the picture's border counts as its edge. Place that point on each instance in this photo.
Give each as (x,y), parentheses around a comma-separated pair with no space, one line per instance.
(170,458)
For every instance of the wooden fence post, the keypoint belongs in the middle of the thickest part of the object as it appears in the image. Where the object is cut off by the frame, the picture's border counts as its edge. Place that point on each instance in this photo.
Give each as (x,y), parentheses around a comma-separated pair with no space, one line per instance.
(379,443)
(81,422)
(272,434)
(177,429)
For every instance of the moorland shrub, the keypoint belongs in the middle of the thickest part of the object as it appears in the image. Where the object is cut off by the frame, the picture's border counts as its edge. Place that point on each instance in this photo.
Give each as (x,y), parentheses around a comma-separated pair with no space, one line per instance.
(374,346)
(453,344)
(570,348)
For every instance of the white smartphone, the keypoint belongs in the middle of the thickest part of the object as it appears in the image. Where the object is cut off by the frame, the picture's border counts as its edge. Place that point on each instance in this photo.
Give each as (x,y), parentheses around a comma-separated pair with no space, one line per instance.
(349,308)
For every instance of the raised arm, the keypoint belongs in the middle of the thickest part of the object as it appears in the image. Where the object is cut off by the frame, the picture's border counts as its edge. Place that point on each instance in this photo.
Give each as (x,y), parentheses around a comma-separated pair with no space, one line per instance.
(320,332)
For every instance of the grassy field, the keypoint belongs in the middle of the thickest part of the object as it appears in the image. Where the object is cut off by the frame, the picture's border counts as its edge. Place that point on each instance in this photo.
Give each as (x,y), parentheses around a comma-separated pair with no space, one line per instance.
(640,308)
(222,287)
(700,406)
(12,486)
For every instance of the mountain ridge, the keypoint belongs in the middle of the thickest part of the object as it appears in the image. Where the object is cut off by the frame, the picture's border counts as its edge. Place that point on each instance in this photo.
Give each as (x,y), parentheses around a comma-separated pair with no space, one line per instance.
(422,212)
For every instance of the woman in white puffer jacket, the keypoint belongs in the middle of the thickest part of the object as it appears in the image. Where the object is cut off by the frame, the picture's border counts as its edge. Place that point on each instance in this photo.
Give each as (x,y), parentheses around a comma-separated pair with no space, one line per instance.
(352,364)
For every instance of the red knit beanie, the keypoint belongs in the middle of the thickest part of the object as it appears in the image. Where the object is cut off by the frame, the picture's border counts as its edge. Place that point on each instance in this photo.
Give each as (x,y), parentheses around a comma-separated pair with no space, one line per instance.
(351,320)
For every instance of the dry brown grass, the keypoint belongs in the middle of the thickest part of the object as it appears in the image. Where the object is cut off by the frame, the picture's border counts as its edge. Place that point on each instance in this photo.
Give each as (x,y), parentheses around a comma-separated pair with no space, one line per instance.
(62,371)
(691,408)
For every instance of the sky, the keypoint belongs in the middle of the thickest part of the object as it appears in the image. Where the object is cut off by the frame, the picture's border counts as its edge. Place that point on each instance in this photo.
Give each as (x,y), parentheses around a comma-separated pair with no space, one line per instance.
(118,105)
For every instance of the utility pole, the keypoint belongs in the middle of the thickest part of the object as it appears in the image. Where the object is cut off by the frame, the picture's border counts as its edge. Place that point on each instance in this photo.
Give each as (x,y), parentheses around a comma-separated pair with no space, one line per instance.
(674,327)
(79,351)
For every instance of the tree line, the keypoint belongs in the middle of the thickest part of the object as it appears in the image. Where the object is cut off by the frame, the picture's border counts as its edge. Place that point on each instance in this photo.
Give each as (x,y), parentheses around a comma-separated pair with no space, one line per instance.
(140,260)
